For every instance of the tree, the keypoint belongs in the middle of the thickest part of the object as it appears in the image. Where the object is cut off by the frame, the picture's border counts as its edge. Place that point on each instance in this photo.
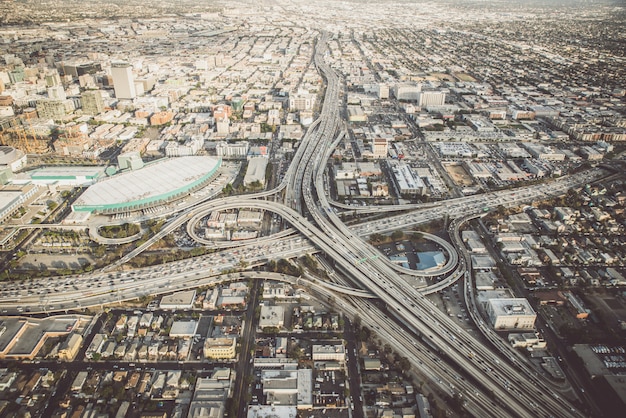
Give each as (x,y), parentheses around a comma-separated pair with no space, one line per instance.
(377,238)
(397,235)
(228,189)
(364,334)
(416,236)
(309,262)
(405,364)
(296,352)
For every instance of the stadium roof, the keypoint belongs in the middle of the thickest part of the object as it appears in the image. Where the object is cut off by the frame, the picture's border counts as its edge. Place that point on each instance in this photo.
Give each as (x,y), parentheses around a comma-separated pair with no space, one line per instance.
(154,184)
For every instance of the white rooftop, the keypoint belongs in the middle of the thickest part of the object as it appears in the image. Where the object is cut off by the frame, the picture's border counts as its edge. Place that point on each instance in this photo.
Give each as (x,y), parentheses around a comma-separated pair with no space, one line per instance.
(272,411)
(159,179)
(183,328)
(512,306)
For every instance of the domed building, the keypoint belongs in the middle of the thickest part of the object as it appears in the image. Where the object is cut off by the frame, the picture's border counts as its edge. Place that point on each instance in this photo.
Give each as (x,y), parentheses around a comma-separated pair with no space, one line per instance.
(153,185)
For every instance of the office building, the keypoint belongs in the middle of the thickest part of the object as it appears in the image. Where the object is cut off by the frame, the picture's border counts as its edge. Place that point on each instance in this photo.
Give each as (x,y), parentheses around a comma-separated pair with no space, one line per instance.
(383,91)
(380,147)
(288,387)
(130,160)
(69,348)
(431,98)
(57,93)
(328,352)
(255,174)
(511,313)
(220,348)
(91,102)
(123,81)
(407,91)
(54,108)
(407,181)
(272,316)
(302,100)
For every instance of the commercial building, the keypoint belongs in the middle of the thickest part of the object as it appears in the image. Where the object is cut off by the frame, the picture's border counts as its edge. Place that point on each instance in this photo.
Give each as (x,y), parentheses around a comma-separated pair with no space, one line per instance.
(161,118)
(190,147)
(183,329)
(255,171)
(6,379)
(91,102)
(431,98)
(178,300)
(407,181)
(56,92)
(383,91)
(69,348)
(155,184)
(581,311)
(13,197)
(79,381)
(23,338)
(407,91)
(220,348)
(209,397)
(12,158)
(356,114)
(380,147)
(526,340)
(123,81)
(511,313)
(54,108)
(273,290)
(590,154)
(302,100)
(76,69)
(65,175)
(288,387)
(544,152)
(235,150)
(272,316)
(328,352)
(249,218)
(272,411)
(130,161)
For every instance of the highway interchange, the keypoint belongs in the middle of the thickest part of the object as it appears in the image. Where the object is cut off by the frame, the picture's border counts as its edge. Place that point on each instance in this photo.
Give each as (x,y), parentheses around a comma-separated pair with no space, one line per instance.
(487,383)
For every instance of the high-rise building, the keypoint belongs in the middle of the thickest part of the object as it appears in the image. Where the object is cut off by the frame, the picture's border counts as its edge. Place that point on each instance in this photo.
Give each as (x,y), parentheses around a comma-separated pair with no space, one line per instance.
(57,92)
(54,109)
(407,91)
(380,147)
(91,102)
(223,126)
(303,100)
(383,91)
(431,98)
(123,81)
(53,78)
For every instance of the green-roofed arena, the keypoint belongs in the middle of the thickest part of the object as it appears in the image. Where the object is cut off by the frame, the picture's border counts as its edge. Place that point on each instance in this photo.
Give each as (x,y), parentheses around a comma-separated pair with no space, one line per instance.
(155,184)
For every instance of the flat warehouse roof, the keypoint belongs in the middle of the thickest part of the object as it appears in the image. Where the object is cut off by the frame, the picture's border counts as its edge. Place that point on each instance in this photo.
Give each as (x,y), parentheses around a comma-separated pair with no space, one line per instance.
(66,172)
(7,198)
(154,184)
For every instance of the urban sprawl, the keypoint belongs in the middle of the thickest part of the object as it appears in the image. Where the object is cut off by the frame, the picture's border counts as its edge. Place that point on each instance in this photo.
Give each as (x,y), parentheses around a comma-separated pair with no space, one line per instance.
(312,209)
